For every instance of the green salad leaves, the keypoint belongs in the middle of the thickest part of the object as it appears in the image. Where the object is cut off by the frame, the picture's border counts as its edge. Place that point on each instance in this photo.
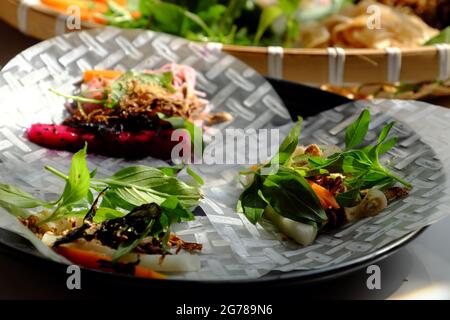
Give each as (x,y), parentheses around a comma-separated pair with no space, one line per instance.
(123,191)
(288,191)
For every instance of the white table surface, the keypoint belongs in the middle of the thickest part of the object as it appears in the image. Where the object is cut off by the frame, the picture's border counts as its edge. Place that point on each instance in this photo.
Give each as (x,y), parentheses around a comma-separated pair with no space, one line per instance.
(419,270)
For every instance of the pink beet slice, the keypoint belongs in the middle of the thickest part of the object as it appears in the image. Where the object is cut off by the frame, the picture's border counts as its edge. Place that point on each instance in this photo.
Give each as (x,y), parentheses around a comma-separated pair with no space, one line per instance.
(124,144)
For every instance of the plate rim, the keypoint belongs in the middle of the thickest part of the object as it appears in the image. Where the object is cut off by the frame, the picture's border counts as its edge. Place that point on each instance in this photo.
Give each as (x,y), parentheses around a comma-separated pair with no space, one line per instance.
(303,276)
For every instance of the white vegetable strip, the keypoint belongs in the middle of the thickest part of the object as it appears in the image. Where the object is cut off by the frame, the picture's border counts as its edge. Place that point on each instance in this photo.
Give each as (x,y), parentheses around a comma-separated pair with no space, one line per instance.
(183,262)
(304,234)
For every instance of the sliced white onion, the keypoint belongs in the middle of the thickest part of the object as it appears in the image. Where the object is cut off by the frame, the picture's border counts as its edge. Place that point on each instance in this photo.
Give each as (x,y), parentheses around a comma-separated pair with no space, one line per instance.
(373,203)
(302,233)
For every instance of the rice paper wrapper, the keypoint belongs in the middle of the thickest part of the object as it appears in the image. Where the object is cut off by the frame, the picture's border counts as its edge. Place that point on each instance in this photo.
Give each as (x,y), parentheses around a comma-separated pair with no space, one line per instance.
(58,63)
(233,248)
(418,157)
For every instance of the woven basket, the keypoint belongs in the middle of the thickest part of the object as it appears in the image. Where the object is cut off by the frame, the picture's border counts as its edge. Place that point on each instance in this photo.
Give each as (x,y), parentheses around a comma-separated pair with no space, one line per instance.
(313,66)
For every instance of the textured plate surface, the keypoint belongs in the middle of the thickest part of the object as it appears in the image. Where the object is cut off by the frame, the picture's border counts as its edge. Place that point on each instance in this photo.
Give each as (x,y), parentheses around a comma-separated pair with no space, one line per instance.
(230,86)
(412,159)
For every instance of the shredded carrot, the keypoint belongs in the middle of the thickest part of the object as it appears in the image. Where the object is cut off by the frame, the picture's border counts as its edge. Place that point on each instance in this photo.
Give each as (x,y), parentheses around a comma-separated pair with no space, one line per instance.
(91,260)
(326,198)
(88,75)
(92,6)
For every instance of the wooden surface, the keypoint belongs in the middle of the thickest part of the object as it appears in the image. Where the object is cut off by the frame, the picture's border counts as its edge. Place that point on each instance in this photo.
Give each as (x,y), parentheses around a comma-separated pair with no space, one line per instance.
(300,65)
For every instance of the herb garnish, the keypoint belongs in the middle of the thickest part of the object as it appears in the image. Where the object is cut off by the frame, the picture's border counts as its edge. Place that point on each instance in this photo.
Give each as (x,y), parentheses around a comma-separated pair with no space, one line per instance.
(287,190)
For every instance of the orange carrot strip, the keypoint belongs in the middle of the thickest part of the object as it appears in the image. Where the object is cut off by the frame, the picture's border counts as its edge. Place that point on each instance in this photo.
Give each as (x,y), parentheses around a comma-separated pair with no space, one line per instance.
(88,75)
(63,5)
(122,3)
(326,198)
(90,260)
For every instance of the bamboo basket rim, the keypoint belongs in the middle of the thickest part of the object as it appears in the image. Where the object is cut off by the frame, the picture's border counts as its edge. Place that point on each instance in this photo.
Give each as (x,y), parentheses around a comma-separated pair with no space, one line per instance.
(368,52)
(311,66)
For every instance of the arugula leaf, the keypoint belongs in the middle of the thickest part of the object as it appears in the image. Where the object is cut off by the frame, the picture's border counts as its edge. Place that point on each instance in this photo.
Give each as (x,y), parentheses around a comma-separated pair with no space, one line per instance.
(118,88)
(252,202)
(18,198)
(357,131)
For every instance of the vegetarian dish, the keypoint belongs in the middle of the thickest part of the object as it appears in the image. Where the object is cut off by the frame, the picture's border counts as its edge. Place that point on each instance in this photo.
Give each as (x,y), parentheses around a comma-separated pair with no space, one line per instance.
(289,23)
(307,190)
(126,229)
(129,114)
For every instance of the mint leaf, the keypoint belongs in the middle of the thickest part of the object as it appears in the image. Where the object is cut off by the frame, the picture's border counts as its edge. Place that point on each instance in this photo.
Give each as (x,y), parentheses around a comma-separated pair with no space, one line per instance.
(291,196)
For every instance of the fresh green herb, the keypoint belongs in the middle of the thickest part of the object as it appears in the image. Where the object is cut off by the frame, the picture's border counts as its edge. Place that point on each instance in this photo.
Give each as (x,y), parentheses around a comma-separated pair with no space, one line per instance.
(77,98)
(288,191)
(288,145)
(195,132)
(118,88)
(252,202)
(442,37)
(126,189)
(362,164)
(195,176)
(357,131)
(14,196)
(169,212)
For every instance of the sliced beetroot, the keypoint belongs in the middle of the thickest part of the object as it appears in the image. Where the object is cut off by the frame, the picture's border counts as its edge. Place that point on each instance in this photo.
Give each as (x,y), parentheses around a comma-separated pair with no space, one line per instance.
(123,144)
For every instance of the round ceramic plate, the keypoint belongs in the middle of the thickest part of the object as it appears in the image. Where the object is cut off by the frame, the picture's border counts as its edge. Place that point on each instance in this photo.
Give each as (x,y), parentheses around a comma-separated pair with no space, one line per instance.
(231,86)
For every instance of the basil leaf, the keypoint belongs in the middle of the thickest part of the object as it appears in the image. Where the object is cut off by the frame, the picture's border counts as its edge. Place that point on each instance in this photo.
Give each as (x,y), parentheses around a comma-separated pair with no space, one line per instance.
(18,198)
(173,208)
(14,210)
(171,171)
(252,203)
(138,185)
(288,145)
(357,131)
(291,196)
(78,182)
